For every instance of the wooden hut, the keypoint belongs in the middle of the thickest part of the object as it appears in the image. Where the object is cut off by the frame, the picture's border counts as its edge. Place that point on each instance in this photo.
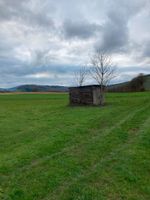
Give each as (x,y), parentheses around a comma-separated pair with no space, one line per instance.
(85,95)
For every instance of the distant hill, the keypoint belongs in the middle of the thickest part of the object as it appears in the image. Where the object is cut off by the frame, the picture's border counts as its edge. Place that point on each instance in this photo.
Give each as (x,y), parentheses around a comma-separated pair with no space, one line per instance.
(2,90)
(120,87)
(36,88)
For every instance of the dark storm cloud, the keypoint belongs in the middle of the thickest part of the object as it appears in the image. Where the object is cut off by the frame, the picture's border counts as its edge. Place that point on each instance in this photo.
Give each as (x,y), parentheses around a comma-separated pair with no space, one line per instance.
(80,29)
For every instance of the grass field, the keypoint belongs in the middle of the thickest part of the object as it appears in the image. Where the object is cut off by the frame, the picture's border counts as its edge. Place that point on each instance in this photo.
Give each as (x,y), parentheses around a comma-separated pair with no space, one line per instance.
(51,151)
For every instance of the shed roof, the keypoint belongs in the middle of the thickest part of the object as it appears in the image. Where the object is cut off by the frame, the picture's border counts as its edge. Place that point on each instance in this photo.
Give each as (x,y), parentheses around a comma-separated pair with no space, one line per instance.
(86,86)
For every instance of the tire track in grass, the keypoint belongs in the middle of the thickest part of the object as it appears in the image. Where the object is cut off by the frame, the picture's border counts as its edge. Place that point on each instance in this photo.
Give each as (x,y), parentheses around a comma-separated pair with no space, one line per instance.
(67,149)
(87,139)
(106,165)
(25,154)
(64,186)
(94,139)
(106,133)
(55,137)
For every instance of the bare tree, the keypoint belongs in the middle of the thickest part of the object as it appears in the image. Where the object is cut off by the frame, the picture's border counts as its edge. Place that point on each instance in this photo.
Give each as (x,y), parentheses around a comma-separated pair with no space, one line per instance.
(80,76)
(102,70)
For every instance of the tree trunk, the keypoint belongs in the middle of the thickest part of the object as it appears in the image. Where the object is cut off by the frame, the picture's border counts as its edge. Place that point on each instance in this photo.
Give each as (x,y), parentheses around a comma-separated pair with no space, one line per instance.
(102,98)
(102,92)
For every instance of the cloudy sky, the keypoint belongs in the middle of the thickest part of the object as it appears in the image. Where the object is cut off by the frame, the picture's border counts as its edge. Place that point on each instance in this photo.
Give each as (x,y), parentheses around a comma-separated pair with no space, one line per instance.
(45,42)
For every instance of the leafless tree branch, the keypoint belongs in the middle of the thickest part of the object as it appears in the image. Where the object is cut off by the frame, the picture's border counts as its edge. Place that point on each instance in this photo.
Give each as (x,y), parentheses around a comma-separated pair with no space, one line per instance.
(102,70)
(80,76)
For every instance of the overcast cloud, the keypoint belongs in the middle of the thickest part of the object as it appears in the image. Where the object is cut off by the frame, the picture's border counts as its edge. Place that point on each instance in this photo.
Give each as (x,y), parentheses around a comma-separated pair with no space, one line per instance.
(45,42)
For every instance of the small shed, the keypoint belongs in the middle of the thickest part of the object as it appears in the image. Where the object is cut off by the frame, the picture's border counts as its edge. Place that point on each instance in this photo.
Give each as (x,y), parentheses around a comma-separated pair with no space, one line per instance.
(85,95)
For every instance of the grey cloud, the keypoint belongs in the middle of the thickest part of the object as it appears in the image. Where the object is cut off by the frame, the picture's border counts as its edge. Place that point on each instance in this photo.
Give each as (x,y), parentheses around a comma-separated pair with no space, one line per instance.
(17,74)
(37,37)
(21,11)
(17,68)
(141,52)
(115,34)
(9,9)
(80,29)
(8,81)
(146,49)
(134,69)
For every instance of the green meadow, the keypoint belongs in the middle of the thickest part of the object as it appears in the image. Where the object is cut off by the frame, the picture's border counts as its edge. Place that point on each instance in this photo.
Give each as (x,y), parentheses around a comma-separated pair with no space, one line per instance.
(51,151)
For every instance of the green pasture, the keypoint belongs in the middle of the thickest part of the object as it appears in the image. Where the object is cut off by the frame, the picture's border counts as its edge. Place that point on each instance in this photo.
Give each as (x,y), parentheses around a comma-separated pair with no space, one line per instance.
(51,151)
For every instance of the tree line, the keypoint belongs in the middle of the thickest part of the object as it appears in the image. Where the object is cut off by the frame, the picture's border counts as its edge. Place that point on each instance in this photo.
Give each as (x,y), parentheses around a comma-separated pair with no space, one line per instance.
(135,85)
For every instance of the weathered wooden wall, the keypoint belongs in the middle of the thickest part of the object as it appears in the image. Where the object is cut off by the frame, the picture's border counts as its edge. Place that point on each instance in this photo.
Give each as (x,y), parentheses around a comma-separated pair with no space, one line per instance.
(81,96)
